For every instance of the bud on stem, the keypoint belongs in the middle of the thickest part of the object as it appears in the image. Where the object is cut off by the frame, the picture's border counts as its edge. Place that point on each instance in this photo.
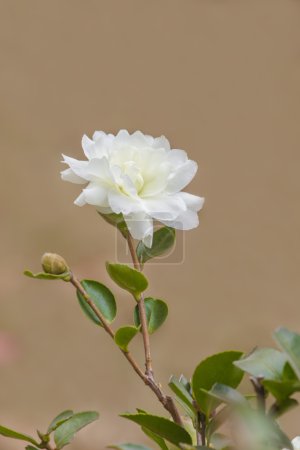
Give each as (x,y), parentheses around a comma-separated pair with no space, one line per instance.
(54,264)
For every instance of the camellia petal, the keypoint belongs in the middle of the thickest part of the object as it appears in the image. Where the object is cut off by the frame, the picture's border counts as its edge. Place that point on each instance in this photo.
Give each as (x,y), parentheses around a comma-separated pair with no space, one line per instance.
(177,157)
(182,177)
(69,175)
(138,176)
(98,170)
(140,226)
(95,195)
(121,203)
(192,201)
(88,146)
(164,207)
(161,142)
(78,167)
(80,200)
(185,221)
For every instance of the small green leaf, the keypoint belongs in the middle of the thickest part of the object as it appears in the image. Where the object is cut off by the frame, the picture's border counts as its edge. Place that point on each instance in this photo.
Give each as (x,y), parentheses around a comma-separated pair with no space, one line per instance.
(65,432)
(58,420)
(127,278)
(163,427)
(129,447)
(281,408)
(103,299)
(156,313)
(48,276)
(264,363)
(124,335)
(185,383)
(289,342)
(29,447)
(116,220)
(226,394)
(217,368)
(7,432)
(281,390)
(288,373)
(157,439)
(182,396)
(163,240)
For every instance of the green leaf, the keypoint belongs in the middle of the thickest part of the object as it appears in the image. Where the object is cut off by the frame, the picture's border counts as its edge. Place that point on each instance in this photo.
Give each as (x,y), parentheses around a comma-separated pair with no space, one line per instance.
(65,432)
(157,439)
(116,220)
(58,420)
(129,447)
(103,299)
(281,408)
(289,342)
(163,427)
(127,278)
(288,373)
(185,383)
(163,240)
(281,390)
(48,276)
(156,313)
(7,432)
(264,363)
(217,368)
(29,447)
(182,396)
(124,335)
(226,394)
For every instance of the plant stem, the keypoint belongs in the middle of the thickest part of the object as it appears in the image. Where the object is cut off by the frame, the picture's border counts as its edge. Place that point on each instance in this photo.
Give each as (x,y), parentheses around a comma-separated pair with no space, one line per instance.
(45,444)
(142,312)
(76,283)
(201,429)
(49,447)
(165,400)
(260,393)
(199,438)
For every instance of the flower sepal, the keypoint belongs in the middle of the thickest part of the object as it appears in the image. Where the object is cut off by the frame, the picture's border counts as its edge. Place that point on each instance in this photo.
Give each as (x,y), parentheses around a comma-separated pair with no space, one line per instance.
(55,268)
(48,276)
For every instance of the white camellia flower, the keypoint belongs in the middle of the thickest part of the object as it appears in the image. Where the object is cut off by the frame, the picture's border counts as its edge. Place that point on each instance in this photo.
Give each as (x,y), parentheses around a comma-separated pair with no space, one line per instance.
(138,176)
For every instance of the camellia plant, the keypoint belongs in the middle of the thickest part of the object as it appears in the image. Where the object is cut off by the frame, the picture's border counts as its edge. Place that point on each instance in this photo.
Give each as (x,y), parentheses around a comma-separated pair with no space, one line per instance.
(133,180)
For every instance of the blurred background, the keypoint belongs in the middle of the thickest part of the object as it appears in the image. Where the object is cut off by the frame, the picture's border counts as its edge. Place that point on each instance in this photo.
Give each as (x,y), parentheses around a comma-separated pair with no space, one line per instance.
(220,78)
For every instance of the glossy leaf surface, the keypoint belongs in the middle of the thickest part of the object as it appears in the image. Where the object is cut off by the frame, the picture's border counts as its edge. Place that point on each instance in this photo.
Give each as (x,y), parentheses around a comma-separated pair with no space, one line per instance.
(156,313)
(102,297)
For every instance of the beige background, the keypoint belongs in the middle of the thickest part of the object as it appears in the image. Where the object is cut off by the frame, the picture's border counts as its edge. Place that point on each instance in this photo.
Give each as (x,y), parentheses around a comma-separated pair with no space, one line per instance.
(220,78)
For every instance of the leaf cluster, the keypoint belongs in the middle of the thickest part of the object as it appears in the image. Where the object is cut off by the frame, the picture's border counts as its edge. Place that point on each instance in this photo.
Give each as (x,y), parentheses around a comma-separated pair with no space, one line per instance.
(63,429)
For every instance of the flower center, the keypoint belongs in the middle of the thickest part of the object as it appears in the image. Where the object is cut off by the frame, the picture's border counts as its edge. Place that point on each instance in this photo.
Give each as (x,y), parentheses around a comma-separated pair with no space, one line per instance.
(130,169)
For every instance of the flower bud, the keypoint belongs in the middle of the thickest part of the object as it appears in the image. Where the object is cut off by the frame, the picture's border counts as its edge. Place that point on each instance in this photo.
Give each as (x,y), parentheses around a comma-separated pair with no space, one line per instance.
(54,264)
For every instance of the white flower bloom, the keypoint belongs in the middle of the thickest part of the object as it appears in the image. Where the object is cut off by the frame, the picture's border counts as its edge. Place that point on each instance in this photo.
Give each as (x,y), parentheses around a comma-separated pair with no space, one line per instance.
(139,176)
